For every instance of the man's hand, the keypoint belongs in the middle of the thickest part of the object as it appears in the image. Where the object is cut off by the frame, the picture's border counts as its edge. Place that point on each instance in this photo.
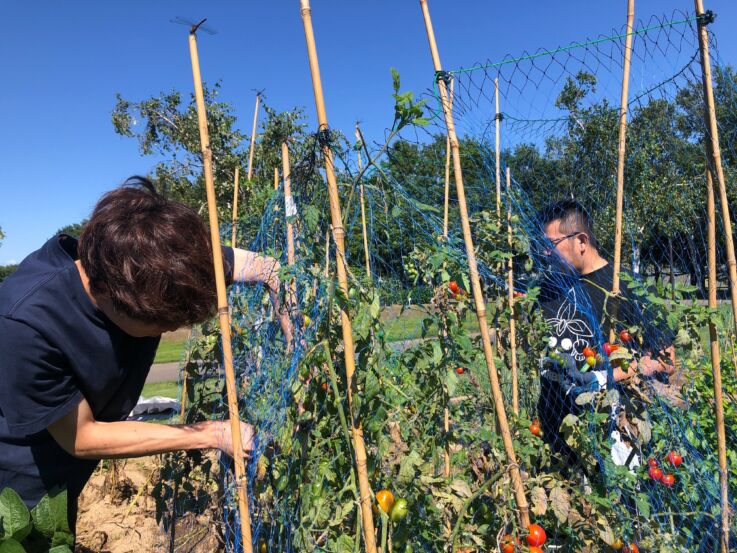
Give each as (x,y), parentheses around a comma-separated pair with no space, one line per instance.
(223,437)
(663,363)
(564,365)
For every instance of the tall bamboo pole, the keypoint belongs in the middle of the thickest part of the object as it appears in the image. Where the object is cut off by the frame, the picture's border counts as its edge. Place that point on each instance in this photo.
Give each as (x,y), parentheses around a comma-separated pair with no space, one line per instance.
(339,238)
(714,152)
(714,164)
(497,118)
(240,473)
(510,297)
(716,362)
(235,206)
(478,297)
(447,173)
(621,151)
(276,178)
(289,207)
(367,256)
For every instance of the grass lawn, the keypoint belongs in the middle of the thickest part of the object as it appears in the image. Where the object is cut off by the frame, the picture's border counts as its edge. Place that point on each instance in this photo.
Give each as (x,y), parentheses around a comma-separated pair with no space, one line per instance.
(166,389)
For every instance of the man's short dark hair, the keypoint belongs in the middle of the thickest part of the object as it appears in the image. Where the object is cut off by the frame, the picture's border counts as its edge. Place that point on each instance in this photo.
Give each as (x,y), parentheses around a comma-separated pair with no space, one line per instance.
(151,256)
(573,217)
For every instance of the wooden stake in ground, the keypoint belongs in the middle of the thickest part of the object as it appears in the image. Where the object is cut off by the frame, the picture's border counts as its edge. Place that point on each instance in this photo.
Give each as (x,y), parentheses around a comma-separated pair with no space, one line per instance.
(498,119)
(510,297)
(446,201)
(478,297)
(235,206)
(249,174)
(276,178)
(240,473)
(714,153)
(620,161)
(290,210)
(366,254)
(339,238)
(714,166)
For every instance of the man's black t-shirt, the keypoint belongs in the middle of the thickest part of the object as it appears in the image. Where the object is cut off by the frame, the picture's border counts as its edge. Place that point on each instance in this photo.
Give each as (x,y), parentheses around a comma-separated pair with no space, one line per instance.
(57,348)
(574,308)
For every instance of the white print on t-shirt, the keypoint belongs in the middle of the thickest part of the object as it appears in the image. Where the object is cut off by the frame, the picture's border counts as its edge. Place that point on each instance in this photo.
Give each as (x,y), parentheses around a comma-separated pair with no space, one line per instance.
(565,323)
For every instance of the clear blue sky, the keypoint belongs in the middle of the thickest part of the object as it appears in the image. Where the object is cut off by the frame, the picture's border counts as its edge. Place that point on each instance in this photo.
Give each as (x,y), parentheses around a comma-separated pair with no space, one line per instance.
(65,61)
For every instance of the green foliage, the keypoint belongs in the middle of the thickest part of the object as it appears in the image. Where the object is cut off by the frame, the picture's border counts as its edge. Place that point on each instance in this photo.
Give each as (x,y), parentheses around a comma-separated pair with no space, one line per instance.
(6,271)
(74,229)
(44,528)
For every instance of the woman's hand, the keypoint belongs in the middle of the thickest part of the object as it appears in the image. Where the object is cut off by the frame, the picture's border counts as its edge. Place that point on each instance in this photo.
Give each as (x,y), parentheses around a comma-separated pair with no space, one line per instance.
(223,437)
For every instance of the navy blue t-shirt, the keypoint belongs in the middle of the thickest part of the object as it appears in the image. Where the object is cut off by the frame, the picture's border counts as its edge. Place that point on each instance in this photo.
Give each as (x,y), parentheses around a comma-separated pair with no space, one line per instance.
(56,348)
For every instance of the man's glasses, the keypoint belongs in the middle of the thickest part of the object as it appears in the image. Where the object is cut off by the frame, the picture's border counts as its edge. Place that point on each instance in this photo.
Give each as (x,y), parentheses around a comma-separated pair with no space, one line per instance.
(548,250)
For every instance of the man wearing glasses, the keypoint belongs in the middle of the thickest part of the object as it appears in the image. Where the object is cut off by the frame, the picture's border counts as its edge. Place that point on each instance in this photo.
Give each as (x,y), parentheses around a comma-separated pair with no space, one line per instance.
(574,299)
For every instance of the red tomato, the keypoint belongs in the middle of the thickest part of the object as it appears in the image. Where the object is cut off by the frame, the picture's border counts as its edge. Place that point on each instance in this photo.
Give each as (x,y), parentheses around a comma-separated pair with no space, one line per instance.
(518,294)
(535,428)
(453,285)
(609,348)
(631,548)
(508,544)
(460,370)
(536,536)
(625,336)
(668,480)
(652,462)
(324,386)
(675,458)
(588,352)
(655,473)
(536,549)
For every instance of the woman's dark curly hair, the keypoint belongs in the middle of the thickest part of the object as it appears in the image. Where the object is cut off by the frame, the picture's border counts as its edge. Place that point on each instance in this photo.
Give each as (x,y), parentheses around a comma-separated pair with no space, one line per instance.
(151,256)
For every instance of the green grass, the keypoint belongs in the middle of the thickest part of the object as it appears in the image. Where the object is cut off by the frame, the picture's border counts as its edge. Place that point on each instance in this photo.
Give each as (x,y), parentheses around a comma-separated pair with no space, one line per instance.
(166,389)
(170,350)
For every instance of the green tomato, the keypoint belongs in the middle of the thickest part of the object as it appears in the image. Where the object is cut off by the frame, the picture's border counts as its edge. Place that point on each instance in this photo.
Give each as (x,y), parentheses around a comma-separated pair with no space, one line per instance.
(400,510)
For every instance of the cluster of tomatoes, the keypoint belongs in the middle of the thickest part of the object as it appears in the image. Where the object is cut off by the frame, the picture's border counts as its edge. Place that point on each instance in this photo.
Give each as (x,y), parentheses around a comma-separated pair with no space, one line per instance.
(456,291)
(656,473)
(397,510)
(536,537)
(626,548)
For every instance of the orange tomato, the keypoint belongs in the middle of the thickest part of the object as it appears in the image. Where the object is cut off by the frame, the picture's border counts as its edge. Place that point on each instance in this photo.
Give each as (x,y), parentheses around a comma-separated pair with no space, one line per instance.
(385,499)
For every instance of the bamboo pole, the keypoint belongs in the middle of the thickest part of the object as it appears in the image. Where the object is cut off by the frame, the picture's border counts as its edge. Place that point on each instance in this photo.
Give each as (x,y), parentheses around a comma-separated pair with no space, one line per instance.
(497,118)
(478,297)
(447,173)
(289,207)
(339,238)
(240,473)
(235,206)
(367,256)
(714,164)
(714,152)
(716,363)
(621,150)
(510,297)
(276,178)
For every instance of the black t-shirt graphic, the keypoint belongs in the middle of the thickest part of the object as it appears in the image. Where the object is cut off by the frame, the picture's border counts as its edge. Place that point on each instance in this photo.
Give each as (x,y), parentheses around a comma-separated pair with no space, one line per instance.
(55,349)
(574,307)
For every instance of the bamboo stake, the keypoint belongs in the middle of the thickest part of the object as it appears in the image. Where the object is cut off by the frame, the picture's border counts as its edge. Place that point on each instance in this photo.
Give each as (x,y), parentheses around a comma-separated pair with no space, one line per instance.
(714,161)
(235,206)
(714,152)
(497,118)
(620,160)
(240,474)
(339,238)
(716,363)
(447,173)
(478,297)
(276,178)
(290,210)
(363,210)
(510,297)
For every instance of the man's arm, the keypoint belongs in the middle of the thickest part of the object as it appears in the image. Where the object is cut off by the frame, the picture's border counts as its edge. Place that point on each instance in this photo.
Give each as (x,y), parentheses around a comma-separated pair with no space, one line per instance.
(80,435)
(256,268)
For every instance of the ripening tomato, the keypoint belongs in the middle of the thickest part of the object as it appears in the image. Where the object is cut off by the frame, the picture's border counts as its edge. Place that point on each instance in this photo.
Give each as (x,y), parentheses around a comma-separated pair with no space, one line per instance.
(591,361)
(400,510)
(385,499)
(625,336)
(675,458)
(617,544)
(609,348)
(536,536)
(453,285)
(508,544)
(263,548)
(588,352)
(324,386)
(518,294)
(306,320)
(535,549)
(458,297)
(652,462)
(631,548)
(460,370)
(668,480)
(535,428)
(655,473)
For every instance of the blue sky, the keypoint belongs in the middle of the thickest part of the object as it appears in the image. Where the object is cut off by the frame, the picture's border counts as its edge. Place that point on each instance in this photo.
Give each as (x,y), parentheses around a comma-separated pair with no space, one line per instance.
(65,61)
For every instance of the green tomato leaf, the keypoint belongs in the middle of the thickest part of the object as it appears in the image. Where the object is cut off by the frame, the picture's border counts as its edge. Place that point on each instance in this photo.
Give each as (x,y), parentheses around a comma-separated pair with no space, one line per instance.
(16,520)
